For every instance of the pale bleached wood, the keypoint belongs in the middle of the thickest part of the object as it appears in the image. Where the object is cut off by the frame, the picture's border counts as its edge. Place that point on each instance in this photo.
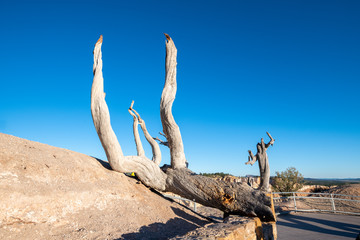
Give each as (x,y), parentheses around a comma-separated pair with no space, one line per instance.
(170,128)
(162,142)
(165,143)
(251,159)
(139,148)
(236,199)
(272,140)
(231,198)
(146,170)
(154,145)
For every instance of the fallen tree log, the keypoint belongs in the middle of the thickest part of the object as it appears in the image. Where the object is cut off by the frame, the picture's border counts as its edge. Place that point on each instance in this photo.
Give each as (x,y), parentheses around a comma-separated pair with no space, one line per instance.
(238,199)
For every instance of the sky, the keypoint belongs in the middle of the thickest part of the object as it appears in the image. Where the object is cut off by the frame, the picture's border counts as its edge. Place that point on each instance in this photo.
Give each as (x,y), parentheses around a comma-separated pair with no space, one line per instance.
(244,68)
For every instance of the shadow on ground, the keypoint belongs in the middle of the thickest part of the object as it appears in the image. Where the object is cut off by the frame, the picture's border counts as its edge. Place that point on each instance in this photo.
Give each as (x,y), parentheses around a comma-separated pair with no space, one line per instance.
(103,163)
(178,226)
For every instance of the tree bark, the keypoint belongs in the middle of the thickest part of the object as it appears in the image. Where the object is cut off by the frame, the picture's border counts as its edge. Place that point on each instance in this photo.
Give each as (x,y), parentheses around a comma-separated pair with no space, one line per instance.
(170,128)
(139,148)
(154,146)
(231,198)
(263,160)
(147,171)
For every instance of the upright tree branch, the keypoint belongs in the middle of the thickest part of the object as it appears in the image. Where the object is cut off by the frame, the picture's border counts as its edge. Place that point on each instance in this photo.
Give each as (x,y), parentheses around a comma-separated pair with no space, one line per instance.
(271,142)
(139,147)
(154,145)
(147,171)
(101,116)
(252,157)
(170,128)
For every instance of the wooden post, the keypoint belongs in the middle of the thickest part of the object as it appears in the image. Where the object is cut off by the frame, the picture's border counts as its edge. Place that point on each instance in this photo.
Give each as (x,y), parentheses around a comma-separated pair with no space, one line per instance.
(333,203)
(294,202)
(272,204)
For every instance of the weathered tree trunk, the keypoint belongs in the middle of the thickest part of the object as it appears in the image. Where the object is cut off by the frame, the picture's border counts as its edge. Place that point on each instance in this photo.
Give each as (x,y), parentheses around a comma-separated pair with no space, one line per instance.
(147,171)
(231,198)
(170,128)
(237,199)
(262,157)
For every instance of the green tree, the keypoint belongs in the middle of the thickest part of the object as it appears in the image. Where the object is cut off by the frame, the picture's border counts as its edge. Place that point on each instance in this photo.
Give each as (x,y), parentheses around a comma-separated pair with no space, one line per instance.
(290,180)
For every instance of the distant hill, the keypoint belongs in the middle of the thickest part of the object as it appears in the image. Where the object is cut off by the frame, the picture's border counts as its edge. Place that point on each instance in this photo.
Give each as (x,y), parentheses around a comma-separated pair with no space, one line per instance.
(215,175)
(331,181)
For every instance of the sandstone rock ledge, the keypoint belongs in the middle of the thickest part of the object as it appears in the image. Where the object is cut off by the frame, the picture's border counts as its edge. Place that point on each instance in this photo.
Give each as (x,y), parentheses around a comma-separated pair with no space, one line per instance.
(234,228)
(52,193)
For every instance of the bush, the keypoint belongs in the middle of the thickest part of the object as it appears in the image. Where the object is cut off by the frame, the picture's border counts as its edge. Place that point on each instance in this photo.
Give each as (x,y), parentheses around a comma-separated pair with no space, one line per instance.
(288,181)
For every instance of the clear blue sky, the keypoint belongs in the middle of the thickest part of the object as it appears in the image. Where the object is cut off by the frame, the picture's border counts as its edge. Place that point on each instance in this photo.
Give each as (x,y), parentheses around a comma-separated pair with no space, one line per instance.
(244,67)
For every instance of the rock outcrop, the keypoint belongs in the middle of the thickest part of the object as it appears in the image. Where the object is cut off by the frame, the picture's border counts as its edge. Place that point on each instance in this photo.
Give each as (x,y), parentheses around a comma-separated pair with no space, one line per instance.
(53,193)
(235,228)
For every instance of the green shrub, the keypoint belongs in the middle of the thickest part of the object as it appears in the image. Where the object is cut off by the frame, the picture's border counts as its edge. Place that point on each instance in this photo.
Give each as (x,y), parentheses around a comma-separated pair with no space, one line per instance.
(288,181)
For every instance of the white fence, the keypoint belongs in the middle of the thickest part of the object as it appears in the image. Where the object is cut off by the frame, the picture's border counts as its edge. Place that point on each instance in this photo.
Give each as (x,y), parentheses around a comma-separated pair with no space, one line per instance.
(316,202)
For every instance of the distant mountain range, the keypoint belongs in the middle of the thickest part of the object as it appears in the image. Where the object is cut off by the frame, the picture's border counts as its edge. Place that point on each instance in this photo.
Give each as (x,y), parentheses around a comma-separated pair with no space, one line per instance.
(331,181)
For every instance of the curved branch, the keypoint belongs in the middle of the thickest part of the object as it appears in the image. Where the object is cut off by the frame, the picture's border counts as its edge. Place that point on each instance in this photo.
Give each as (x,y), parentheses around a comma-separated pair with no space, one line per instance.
(139,147)
(101,116)
(253,158)
(154,145)
(162,134)
(170,128)
(162,142)
(147,171)
(271,142)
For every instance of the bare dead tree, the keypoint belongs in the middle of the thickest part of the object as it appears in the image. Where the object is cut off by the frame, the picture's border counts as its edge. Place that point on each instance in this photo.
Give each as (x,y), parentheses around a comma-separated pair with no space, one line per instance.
(262,158)
(234,198)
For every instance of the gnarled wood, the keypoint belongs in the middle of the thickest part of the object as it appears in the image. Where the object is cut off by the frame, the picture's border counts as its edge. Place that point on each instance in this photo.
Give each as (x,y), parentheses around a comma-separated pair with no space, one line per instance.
(147,171)
(170,128)
(154,145)
(139,148)
(262,157)
(230,198)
